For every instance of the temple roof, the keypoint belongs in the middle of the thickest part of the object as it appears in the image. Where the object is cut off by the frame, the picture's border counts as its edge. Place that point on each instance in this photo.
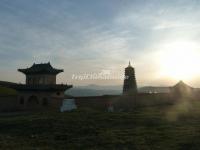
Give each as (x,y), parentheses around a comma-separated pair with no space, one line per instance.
(182,89)
(45,68)
(181,84)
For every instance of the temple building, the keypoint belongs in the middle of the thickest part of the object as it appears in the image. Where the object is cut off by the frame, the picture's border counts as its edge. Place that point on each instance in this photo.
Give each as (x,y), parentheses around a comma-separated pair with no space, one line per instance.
(41,74)
(181,90)
(40,90)
(130,85)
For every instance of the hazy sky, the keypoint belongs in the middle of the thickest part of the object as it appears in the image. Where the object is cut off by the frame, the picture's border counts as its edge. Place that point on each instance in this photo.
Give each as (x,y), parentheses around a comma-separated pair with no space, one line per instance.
(88,36)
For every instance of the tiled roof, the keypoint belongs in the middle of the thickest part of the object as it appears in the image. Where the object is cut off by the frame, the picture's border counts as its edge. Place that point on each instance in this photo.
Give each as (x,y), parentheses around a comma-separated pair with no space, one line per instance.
(45,68)
(181,84)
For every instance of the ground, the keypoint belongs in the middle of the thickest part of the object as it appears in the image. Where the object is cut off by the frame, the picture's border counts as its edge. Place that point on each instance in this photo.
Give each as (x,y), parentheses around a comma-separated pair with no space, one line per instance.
(160,127)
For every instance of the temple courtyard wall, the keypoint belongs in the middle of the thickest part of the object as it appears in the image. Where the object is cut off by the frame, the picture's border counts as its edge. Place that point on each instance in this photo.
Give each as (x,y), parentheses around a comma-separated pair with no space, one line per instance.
(31,101)
(124,101)
(45,101)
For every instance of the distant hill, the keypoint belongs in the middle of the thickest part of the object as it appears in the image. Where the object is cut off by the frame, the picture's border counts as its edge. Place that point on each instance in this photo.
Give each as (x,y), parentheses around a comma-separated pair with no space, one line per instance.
(98,90)
(102,87)
(152,89)
(5,83)
(94,90)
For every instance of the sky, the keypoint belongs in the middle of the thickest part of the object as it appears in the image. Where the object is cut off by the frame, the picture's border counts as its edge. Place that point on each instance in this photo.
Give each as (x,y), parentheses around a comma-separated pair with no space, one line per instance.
(102,36)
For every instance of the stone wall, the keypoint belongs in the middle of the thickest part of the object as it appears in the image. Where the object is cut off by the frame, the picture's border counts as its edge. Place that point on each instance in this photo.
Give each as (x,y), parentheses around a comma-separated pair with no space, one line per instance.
(96,102)
(124,102)
(30,100)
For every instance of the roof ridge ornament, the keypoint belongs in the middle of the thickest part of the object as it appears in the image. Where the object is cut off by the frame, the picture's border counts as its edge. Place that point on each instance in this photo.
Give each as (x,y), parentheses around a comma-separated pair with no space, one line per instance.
(129,64)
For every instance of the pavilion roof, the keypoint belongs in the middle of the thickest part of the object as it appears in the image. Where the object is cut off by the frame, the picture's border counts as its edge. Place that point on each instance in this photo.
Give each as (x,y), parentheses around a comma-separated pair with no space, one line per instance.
(43,68)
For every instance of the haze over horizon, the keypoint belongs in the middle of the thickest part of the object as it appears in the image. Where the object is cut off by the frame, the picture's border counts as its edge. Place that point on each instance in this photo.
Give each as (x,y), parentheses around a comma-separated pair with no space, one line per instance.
(160,38)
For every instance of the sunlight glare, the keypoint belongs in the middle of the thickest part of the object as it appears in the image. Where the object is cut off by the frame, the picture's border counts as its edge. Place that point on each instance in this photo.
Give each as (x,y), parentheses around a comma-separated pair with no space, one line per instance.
(180,60)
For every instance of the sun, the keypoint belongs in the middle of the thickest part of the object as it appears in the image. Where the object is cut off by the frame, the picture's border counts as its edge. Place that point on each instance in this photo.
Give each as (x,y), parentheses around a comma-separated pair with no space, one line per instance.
(180,60)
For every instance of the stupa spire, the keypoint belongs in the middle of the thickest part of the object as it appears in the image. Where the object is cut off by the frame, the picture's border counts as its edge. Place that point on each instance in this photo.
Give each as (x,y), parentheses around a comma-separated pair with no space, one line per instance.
(130,85)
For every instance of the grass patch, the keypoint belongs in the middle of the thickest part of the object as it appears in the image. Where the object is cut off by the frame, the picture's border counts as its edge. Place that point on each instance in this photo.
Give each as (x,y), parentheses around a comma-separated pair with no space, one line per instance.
(142,129)
(7,91)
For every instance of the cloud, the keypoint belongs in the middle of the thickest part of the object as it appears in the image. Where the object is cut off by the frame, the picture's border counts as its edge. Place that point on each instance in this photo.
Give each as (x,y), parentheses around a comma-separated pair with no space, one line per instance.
(89,35)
